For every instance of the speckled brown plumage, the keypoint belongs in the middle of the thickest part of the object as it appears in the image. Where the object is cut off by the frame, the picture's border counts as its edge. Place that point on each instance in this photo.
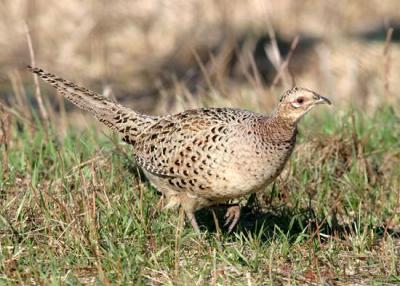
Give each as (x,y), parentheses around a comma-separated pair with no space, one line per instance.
(202,157)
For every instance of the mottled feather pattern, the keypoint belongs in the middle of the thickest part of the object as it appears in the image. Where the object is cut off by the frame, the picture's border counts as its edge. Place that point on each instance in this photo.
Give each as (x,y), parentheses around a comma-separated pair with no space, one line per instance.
(204,156)
(200,150)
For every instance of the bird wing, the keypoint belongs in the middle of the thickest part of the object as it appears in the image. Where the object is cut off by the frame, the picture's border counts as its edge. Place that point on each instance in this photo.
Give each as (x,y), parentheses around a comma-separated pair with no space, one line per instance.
(175,146)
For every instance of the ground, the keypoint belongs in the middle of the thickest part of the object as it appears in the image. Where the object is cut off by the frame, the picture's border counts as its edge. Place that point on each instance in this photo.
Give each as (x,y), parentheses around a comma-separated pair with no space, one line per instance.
(75,209)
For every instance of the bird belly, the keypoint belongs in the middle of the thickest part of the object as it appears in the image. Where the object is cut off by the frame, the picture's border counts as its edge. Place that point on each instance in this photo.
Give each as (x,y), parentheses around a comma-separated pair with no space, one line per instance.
(240,183)
(249,173)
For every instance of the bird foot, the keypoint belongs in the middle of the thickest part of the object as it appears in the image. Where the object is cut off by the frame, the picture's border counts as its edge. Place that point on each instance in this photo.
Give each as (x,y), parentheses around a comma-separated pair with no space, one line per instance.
(232,216)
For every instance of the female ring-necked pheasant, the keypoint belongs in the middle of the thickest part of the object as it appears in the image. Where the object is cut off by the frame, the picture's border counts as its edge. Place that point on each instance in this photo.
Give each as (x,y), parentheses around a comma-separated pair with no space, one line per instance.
(199,158)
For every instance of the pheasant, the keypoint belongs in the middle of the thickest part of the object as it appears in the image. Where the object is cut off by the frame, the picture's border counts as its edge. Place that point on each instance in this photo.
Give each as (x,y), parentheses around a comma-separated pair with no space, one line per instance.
(202,157)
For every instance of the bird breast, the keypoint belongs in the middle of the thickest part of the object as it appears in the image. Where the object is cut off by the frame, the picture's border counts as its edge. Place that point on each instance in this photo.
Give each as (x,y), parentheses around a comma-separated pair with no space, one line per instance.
(253,165)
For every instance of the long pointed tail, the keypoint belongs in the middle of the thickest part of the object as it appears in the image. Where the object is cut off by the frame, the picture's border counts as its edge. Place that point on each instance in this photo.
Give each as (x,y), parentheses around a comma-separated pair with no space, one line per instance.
(105,110)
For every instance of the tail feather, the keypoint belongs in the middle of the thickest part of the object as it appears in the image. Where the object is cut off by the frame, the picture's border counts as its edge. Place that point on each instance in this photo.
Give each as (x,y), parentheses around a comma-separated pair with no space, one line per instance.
(105,110)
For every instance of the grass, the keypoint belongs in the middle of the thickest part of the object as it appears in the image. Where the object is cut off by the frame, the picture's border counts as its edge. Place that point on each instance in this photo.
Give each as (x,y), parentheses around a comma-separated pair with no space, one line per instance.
(76,210)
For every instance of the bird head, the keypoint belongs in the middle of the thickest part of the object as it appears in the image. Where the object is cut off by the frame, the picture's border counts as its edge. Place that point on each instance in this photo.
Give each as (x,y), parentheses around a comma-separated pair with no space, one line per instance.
(296,102)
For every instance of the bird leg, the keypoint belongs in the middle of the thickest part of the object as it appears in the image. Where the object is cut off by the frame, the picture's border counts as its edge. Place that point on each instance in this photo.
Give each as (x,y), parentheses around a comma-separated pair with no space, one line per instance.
(192,219)
(232,216)
(189,206)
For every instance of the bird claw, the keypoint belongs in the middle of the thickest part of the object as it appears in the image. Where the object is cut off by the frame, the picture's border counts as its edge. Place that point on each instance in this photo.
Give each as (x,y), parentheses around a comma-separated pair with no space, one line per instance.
(232,216)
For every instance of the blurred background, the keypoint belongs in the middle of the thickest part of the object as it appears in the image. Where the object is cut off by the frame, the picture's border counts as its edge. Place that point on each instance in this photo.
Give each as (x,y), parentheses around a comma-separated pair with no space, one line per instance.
(161,56)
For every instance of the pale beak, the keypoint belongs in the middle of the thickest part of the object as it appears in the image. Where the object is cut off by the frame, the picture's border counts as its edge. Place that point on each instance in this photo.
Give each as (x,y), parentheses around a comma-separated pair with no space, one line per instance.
(322,100)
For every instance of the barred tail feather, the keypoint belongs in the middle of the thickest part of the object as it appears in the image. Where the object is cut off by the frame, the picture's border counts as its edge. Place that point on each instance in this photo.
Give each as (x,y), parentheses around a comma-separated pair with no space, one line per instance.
(105,110)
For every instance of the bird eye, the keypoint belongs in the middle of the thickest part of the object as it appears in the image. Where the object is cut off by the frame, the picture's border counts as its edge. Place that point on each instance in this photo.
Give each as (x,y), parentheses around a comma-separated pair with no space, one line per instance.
(300,100)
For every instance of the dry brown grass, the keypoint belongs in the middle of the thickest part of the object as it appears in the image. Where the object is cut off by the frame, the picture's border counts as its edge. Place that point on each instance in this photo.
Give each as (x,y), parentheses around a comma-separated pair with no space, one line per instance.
(141,47)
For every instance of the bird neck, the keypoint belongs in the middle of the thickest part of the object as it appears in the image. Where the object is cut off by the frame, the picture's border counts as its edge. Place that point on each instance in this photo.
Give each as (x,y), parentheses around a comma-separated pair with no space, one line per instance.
(280,128)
